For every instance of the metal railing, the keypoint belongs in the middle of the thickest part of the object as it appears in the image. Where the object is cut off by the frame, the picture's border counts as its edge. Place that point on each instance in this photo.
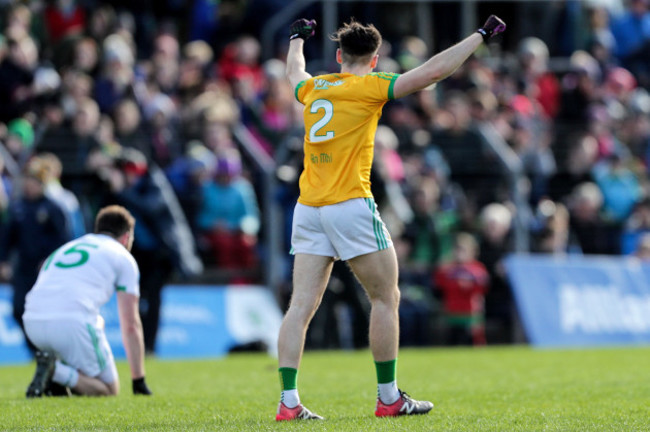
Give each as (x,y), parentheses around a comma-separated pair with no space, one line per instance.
(516,176)
(270,210)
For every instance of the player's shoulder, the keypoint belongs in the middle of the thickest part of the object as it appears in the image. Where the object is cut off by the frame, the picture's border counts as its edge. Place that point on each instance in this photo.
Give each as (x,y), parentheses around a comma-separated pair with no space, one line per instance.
(324,81)
(388,76)
(108,244)
(72,243)
(330,77)
(94,238)
(125,260)
(130,260)
(383,82)
(316,84)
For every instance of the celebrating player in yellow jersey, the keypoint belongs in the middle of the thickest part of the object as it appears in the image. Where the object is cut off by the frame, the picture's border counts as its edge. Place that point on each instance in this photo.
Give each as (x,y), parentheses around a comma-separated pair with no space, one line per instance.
(336,216)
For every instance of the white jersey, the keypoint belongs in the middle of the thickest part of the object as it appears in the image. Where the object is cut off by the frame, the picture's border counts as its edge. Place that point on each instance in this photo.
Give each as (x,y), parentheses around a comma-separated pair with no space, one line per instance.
(80,277)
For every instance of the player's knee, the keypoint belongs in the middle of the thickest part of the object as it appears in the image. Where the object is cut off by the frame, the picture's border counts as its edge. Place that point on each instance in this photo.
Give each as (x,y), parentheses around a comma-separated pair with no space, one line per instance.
(106,391)
(303,311)
(389,296)
(397,295)
(394,297)
(113,389)
(302,315)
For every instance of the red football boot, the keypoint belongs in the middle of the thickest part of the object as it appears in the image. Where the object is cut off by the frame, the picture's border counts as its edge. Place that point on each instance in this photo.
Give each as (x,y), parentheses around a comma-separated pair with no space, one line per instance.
(299,412)
(402,406)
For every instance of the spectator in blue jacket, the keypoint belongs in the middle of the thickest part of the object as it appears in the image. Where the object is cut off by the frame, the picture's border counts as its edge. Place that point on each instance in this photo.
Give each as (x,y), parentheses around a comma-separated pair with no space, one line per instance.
(620,187)
(631,31)
(228,217)
(36,226)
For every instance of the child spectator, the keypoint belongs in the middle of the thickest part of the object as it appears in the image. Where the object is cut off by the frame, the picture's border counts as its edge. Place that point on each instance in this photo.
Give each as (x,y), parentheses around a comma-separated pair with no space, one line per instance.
(228,218)
(464,282)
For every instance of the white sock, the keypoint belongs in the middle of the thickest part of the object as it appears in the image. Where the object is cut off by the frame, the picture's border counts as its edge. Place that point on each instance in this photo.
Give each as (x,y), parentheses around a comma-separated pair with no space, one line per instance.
(290,398)
(388,392)
(65,375)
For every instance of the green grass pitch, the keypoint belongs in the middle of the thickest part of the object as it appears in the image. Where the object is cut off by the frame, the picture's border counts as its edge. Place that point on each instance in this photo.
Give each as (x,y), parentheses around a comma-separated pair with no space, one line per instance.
(490,389)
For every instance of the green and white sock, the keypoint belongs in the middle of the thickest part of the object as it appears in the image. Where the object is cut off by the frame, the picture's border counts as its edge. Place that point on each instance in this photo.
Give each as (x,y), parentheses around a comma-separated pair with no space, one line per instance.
(289,385)
(65,375)
(387,382)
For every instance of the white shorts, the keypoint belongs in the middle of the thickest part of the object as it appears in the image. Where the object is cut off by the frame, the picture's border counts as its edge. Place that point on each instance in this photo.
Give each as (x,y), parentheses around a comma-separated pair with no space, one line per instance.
(76,343)
(344,230)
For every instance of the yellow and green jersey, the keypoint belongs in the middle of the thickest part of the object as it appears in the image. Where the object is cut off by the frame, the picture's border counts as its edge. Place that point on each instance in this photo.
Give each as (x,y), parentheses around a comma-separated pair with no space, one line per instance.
(341,114)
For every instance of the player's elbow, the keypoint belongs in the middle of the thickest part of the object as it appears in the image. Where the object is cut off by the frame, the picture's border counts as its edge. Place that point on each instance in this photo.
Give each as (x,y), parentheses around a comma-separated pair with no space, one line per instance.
(131,327)
(293,74)
(290,69)
(435,75)
(413,82)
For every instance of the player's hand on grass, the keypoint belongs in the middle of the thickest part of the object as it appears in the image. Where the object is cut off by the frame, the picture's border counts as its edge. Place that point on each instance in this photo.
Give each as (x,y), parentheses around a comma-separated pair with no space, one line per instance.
(303,29)
(140,387)
(492,27)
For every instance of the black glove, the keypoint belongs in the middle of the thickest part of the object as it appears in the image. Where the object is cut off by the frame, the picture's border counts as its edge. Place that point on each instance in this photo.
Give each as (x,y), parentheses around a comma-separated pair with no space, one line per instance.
(140,387)
(301,28)
(493,26)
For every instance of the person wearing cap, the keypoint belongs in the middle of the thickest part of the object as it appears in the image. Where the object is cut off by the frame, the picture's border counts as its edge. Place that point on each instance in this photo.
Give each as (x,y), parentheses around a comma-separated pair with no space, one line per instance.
(20,139)
(35,227)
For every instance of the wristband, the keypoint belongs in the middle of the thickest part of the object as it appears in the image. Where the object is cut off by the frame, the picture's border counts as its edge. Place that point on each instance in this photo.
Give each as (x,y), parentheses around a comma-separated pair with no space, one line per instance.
(484,33)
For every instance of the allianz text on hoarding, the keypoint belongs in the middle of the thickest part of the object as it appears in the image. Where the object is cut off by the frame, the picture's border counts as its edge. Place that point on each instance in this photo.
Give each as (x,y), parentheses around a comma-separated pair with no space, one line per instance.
(582,301)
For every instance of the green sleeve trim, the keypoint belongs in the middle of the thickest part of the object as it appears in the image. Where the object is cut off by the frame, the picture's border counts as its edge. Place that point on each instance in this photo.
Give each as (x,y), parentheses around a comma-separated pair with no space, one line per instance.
(300,85)
(120,288)
(391,94)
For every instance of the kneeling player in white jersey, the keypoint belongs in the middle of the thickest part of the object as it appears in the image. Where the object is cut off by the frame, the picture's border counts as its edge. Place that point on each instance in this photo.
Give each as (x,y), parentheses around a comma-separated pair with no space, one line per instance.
(62,311)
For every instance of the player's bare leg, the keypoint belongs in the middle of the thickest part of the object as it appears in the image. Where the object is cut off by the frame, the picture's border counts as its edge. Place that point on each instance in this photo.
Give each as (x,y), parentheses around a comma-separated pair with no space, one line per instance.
(378,274)
(89,386)
(310,276)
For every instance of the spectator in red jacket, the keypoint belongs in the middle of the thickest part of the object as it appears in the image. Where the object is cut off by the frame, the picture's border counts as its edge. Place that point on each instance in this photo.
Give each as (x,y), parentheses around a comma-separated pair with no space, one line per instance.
(464,282)
(64,18)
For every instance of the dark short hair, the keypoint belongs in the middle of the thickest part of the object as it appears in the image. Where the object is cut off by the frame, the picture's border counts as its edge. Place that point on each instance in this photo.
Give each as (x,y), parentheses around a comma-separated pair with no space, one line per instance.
(358,42)
(114,220)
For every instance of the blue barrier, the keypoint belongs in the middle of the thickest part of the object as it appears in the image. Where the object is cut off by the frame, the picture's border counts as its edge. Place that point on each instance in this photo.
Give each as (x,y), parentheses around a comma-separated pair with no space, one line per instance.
(12,342)
(196,321)
(581,301)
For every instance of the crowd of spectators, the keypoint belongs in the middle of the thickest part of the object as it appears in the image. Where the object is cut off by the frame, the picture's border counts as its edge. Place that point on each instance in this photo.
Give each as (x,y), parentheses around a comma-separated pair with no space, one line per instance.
(136,103)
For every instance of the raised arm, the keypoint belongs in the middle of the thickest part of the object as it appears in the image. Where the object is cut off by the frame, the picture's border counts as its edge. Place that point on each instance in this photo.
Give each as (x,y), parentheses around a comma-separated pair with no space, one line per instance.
(446,62)
(301,30)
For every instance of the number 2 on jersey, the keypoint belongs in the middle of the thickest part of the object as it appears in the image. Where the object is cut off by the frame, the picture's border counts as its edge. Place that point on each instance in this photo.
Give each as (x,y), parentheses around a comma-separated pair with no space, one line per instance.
(317,105)
(79,248)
